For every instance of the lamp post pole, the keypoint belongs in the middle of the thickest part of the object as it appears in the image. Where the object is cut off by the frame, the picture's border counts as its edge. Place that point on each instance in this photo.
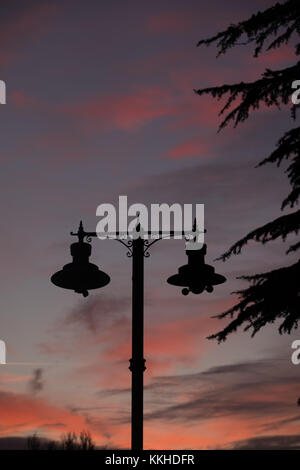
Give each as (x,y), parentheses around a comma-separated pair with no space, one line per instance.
(137,362)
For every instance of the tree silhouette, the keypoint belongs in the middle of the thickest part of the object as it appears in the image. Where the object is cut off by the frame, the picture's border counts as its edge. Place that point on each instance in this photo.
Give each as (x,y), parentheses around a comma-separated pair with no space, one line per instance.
(276,294)
(69,441)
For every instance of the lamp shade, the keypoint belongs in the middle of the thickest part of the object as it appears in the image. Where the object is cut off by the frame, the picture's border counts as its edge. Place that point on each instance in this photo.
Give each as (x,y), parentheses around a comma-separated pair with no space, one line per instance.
(80,275)
(196,276)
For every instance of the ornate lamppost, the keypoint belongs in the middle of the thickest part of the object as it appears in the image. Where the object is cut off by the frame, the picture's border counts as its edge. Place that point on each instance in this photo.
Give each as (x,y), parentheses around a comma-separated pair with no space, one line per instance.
(81,276)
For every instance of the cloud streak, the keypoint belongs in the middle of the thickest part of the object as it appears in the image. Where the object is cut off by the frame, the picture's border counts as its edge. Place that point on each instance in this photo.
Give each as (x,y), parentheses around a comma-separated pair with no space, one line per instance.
(36,383)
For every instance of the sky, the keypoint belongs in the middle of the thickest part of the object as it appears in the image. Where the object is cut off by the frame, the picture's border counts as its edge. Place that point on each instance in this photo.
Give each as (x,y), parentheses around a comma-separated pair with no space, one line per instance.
(100,103)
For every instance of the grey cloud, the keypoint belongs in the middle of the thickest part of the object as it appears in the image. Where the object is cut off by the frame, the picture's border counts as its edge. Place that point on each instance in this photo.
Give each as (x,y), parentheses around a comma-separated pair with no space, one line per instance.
(289,442)
(36,383)
(237,196)
(225,391)
(98,311)
(277,424)
(216,404)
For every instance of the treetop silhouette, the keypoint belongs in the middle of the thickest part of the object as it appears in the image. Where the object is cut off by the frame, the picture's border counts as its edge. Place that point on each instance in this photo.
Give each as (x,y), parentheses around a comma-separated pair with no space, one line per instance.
(276,294)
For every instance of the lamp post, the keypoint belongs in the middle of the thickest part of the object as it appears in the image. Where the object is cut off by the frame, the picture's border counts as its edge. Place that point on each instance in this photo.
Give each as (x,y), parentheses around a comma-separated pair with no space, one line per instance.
(81,276)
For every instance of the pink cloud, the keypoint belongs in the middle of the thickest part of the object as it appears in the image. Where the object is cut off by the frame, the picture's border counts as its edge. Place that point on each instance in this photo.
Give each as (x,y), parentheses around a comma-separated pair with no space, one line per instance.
(170,22)
(130,111)
(20,100)
(167,345)
(189,148)
(126,111)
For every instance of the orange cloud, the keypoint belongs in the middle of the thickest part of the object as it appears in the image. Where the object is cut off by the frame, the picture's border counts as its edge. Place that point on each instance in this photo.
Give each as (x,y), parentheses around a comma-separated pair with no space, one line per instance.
(20,413)
(7,377)
(200,436)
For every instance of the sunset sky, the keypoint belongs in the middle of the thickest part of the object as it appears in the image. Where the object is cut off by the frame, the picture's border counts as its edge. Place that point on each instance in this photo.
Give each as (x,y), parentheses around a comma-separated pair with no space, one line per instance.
(100,103)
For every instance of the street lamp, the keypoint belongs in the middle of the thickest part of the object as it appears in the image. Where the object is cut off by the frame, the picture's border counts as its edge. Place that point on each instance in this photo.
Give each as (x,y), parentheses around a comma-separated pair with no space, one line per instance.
(196,276)
(81,276)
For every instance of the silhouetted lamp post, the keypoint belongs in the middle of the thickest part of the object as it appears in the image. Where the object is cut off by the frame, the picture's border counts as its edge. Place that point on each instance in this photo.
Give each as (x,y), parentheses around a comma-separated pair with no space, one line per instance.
(81,276)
